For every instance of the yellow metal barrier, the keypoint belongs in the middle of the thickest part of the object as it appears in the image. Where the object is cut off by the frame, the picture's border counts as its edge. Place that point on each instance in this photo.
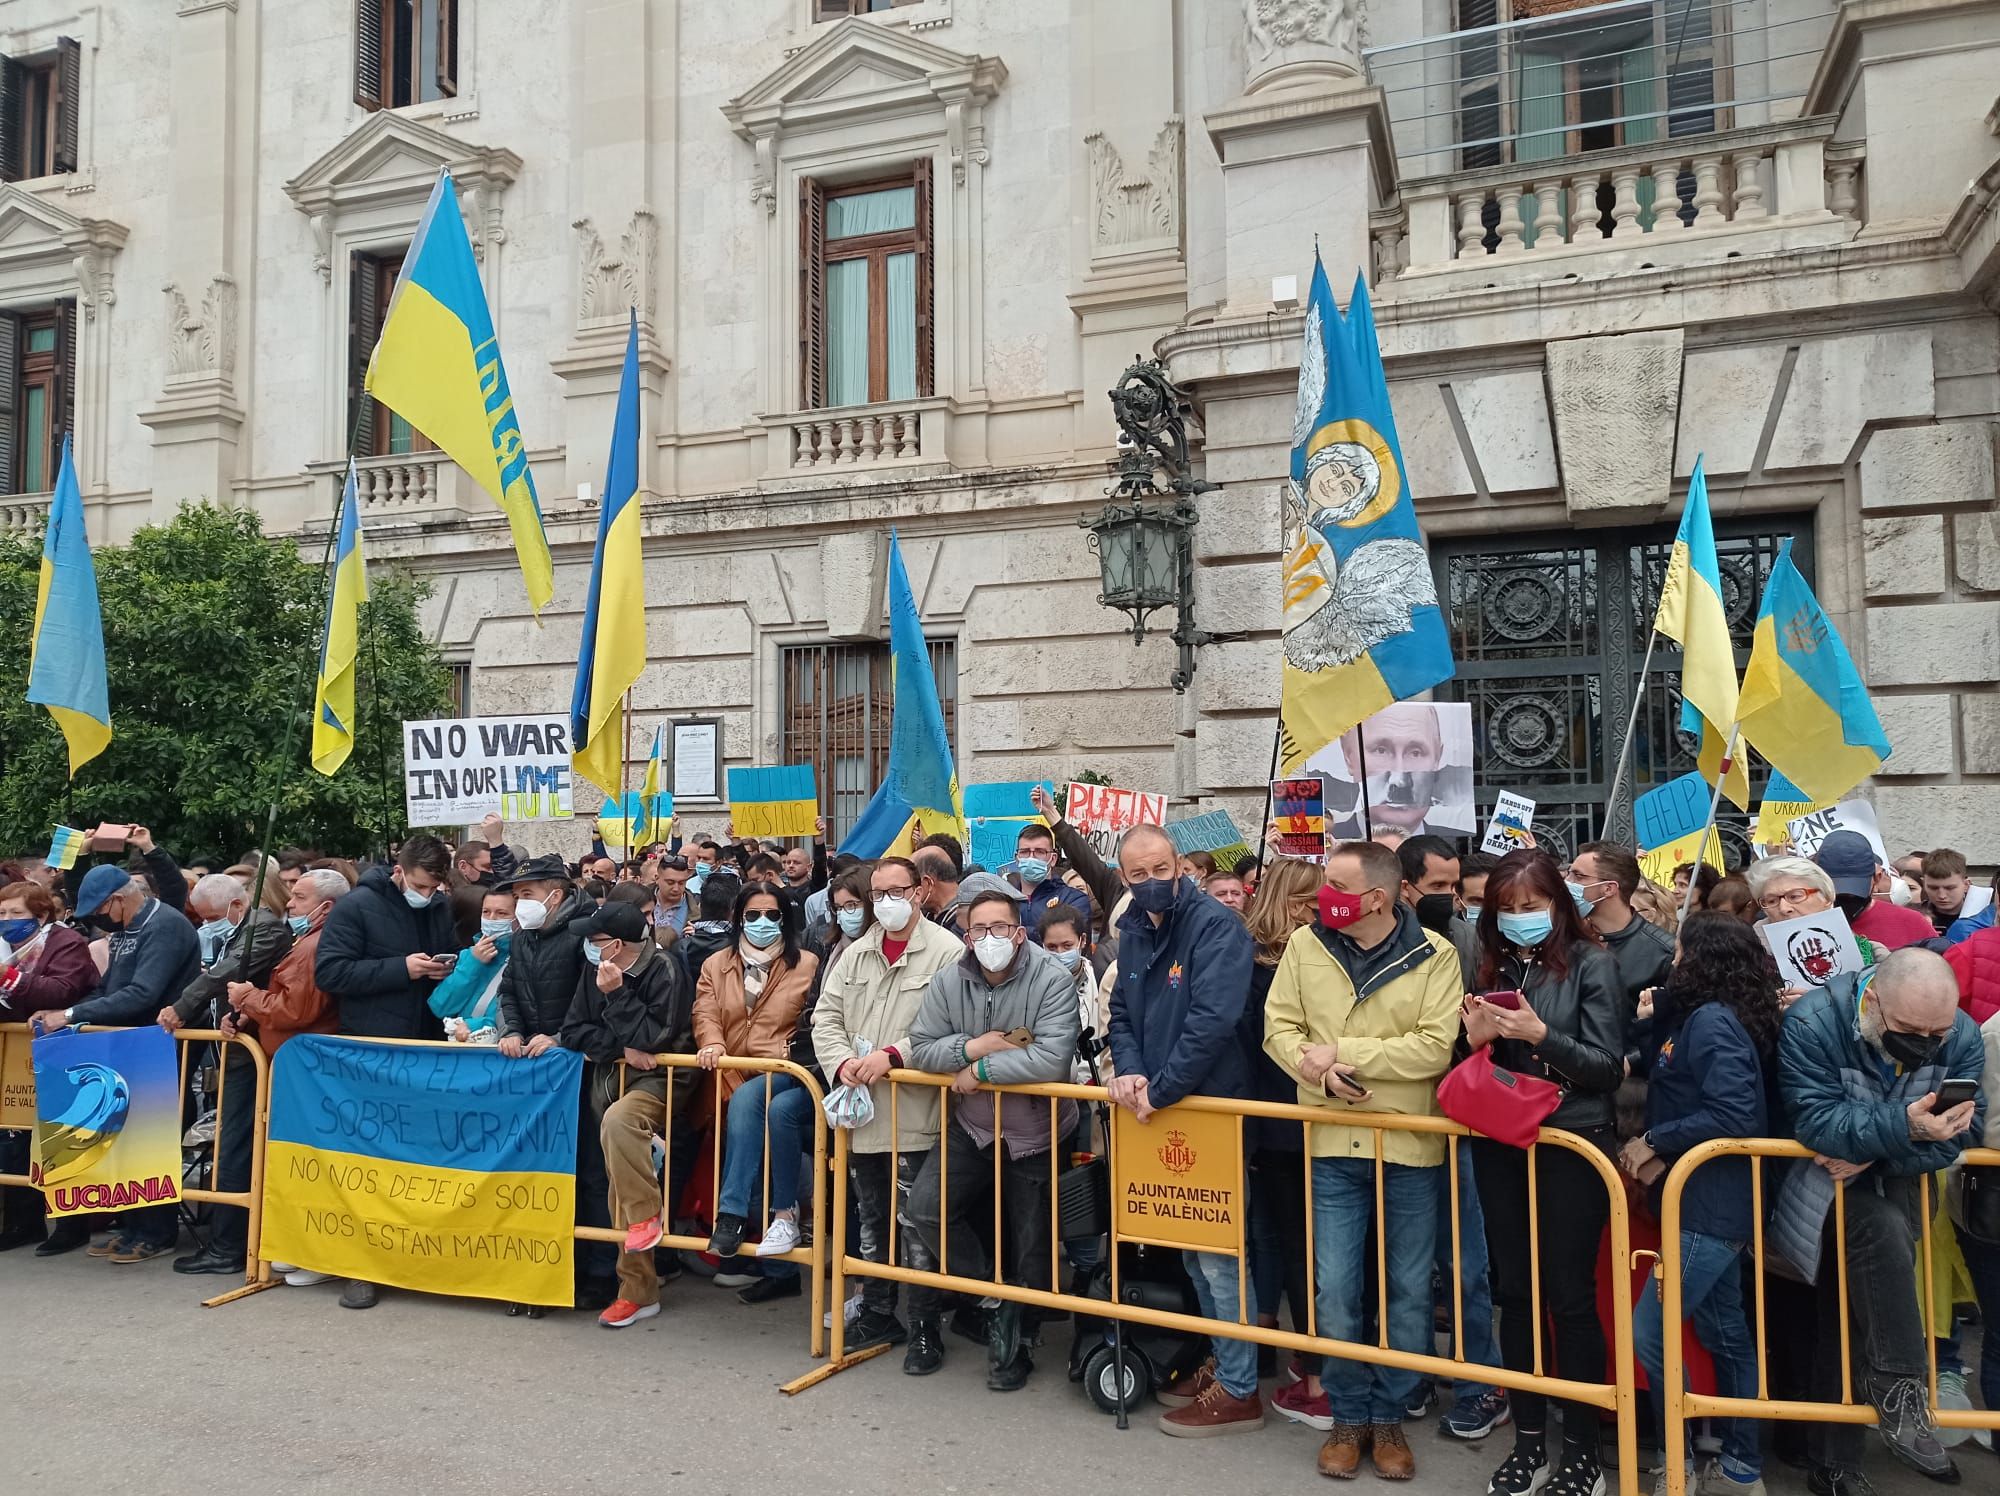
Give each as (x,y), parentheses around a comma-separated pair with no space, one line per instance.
(256,1272)
(1681,1404)
(1616,1397)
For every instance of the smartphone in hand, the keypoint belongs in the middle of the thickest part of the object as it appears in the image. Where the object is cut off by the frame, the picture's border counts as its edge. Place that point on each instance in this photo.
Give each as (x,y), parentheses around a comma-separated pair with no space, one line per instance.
(1953,1093)
(1506,997)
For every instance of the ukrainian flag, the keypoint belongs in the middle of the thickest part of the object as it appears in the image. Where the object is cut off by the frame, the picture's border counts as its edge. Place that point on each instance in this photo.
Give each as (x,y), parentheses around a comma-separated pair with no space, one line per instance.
(614,616)
(64,846)
(1804,706)
(333,703)
(632,821)
(922,783)
(438,366)
(1362,627)
(1692,615)
(66,653)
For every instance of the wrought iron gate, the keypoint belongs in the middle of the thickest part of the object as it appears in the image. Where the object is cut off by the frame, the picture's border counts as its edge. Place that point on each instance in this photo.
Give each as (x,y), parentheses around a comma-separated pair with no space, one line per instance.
(1549,632)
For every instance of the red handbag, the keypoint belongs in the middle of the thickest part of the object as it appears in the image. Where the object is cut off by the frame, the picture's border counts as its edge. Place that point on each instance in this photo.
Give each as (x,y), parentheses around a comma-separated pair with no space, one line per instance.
(1501,1104)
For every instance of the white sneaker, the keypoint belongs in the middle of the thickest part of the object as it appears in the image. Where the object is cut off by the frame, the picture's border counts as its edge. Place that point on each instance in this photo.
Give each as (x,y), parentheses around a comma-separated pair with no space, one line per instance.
(781,1236)
(731,1277)
(280,1269)
(1951,1394)
(300,1277)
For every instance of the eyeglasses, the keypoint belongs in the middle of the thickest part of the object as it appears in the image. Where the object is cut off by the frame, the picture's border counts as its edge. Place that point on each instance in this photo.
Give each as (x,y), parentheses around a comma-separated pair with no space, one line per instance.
(1779,898)
(980,932)
(890,893)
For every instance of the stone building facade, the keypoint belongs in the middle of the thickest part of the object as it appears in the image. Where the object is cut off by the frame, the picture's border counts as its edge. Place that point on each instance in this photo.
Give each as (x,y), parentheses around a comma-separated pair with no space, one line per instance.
(887,259)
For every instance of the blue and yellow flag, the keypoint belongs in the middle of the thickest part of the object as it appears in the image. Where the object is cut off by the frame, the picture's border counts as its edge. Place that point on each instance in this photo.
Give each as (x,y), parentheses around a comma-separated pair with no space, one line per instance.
(1361,618)
(66,660)
(65,846)
(1804,707)
(614,615)
(333,704)
(1692,615)
(632,821)
(437,365)
(921,787)
(107,1120)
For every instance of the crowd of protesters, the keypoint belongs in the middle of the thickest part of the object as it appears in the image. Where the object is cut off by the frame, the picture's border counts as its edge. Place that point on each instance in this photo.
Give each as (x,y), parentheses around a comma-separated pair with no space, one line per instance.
(1354,987)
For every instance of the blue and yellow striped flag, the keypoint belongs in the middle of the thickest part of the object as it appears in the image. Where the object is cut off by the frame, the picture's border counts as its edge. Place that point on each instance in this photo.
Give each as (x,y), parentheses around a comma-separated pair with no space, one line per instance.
(66,653)
(614,615)
(1804,705)
(1692,615)
(64,847)
(333,703)
(437,365)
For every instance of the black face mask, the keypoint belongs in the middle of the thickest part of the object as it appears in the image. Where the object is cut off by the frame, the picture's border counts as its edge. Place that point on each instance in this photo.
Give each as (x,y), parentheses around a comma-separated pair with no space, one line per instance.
(1911,1051)
(1434,912)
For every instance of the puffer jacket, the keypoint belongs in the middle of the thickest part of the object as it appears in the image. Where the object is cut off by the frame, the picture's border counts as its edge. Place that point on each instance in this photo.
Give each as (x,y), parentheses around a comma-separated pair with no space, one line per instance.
(1587,1015)
(364,948)
(1975,961)
(543,966)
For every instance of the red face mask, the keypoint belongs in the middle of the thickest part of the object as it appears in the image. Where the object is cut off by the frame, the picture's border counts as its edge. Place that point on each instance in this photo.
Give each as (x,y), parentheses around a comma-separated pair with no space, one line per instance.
(1337,909)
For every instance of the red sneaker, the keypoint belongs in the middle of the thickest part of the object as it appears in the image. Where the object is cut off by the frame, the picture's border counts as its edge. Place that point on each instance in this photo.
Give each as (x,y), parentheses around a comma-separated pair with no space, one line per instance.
(624,1312)
(1299,1405)
(645,1236)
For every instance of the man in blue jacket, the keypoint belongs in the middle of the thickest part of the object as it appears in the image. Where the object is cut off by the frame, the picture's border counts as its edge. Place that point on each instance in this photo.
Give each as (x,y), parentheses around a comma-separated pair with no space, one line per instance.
(1183,979)
(1860,1066)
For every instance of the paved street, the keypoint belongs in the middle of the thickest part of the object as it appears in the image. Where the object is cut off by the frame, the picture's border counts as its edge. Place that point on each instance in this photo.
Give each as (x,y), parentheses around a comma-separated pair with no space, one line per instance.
(286,1392)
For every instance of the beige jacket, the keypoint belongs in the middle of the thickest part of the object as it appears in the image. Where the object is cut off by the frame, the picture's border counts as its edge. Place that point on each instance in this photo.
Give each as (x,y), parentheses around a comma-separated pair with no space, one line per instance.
(864,997)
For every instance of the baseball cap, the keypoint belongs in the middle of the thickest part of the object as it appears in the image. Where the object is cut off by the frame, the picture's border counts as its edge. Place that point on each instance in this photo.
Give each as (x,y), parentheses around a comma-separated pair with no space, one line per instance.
(1849,861)
(99,884)
(617,919)
(984,885)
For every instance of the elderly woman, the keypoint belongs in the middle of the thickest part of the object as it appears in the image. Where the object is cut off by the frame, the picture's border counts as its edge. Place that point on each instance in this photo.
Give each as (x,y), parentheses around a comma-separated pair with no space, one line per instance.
(1787,887)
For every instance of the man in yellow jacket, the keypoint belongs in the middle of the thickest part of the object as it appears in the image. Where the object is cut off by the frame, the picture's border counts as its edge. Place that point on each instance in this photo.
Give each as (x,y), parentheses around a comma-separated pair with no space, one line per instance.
(1362,1013)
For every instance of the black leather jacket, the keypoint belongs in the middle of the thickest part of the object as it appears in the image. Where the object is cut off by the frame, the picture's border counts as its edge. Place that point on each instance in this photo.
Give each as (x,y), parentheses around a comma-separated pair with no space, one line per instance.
(1587,1013)
(539,981)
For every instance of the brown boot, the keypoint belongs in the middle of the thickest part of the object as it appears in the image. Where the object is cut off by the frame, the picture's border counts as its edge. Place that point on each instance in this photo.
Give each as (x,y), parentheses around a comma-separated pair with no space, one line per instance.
(1391,1452)
(1340,1456)
(1215,1412)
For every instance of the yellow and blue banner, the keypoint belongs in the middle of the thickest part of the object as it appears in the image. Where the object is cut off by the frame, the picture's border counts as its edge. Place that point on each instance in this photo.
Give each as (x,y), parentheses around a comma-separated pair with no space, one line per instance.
(774,802)
(1668,823)
(66,651)
(1692,615)
(921,787)
(442,1169)
(333,701)
(630,821)
(1783,803)
(995,817)
(65,846)
(437,365)
(107,1120)
(1362,627)
(614,614)
(1804,707)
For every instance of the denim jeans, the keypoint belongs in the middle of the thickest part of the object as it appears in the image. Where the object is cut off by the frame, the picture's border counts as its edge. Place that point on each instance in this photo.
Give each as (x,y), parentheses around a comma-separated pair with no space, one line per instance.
(877,1194)
(1475,1292)
(1343,1206)
(1983,1262)
(1886,1331)
(1712,1296)
(789,1108)
(1278,1232)
(1215,1285)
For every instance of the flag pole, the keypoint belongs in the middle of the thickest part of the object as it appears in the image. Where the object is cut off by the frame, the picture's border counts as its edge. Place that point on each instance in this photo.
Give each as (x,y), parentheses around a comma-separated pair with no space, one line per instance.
(1708,827)
(387,806)
(1631,723)
(625,775)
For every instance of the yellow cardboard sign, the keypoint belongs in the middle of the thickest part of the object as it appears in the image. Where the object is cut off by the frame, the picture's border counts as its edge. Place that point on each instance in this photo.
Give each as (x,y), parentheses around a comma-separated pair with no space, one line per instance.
(1177,1179)
(17,1081)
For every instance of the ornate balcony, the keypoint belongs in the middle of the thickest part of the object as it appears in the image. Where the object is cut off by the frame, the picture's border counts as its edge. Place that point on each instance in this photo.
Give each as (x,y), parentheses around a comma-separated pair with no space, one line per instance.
(903,433)
(24,513)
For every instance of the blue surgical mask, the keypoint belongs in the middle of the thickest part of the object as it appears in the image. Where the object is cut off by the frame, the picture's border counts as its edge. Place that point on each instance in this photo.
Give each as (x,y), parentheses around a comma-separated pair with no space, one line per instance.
(1032,870)
(850,921)
(1068,958)
(1529,929)
(761,931)
(213,934)
(300,923)
(592,952)
(495,926)
(1583,905)
(1472,914)
(18,931)
(417,900)
(1156,895)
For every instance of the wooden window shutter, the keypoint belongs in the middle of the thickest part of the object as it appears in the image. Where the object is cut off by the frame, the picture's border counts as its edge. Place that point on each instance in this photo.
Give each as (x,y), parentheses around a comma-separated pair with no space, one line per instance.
(62,404)
(812,294)
(10,120)
(364,318)
(368,53)
(926,283)
(447,45)
(68,101)
(10,394)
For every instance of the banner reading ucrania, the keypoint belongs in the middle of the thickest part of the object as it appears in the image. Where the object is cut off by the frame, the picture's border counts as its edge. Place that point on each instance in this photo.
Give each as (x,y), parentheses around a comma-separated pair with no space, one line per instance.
(444,1170)
(107,1121)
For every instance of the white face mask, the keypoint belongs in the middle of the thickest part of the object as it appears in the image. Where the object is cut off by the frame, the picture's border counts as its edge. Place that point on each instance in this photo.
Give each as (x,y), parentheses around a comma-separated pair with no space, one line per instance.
(892,912)
(1899,892)
(416,900)
(529,914)
(994,952)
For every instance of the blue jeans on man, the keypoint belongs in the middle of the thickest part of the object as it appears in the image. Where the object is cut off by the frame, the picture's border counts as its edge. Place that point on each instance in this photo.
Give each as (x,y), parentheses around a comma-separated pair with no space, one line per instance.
(1712,1296)
(1216,1280)
(788,1106)
(1343,1206)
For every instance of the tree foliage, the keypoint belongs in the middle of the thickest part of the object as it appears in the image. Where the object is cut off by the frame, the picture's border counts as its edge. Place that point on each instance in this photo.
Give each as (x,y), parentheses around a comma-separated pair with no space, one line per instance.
(211,639)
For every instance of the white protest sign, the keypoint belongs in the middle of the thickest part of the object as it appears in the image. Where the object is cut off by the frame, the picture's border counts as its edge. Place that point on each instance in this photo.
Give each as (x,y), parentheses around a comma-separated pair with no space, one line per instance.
(460,770)
(1808,831)
(1508,830)
(1812,949)
(1104,813)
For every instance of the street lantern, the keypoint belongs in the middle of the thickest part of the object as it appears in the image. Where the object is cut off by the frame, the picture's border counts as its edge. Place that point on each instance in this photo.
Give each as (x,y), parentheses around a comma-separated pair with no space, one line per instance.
(1144,538)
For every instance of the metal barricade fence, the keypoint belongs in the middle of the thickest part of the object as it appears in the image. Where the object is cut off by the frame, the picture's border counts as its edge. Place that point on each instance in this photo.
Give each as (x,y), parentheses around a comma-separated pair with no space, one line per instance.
(1615,1397)
(1681,1404)
(256,1272)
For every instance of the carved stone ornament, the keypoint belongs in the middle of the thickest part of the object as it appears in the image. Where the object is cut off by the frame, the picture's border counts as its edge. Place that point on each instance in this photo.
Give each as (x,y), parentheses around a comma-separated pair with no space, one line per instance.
(1287,32)
(1141,210)
(610,282)
(202,344)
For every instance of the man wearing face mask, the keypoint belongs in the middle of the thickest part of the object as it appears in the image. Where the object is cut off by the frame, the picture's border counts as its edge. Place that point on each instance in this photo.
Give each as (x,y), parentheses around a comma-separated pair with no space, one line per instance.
(1041,889)
(1863,891)
(1602,878)
(1861,1062)
(937,887)
(1002,985)
(1183,979)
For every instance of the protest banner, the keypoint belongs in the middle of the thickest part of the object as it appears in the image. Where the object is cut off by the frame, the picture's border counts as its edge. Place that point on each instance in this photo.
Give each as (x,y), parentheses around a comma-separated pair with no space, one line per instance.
(1668,823)
(774,802)
(995,814)
(1177,1179)
(443,1169)
(1812,949)
(107,1120)
(458,771)
(1298,806)
(1415,761)
(1212,832)
(1815,826)
(1513,817)
(17,1082)
(1104,813)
